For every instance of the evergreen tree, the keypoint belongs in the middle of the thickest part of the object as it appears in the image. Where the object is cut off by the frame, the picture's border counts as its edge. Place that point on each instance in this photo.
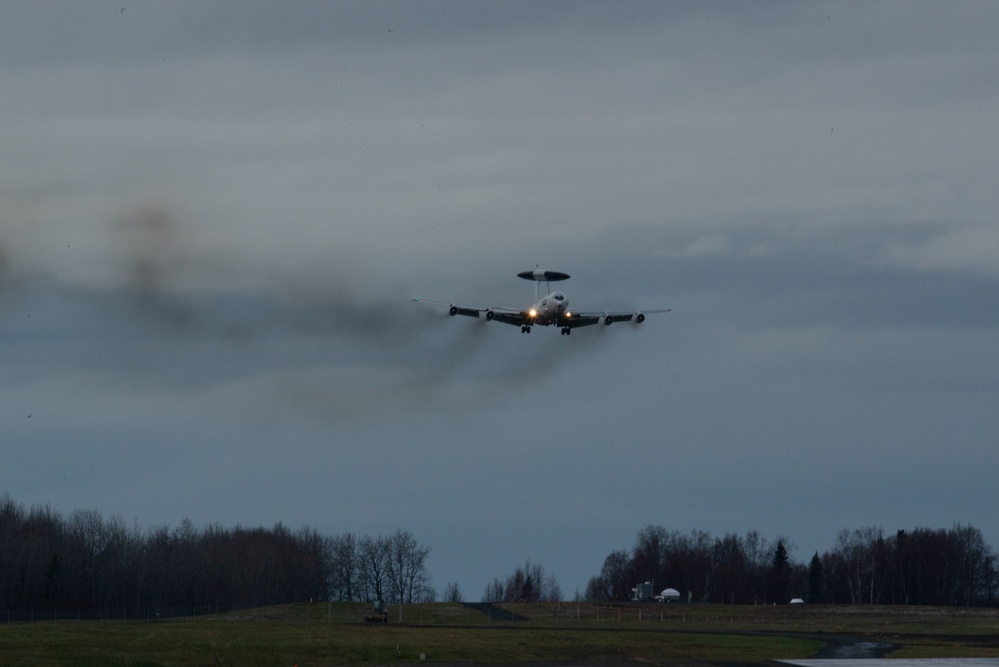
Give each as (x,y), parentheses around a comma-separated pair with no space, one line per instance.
(780,573)
(780,559)
(815,580)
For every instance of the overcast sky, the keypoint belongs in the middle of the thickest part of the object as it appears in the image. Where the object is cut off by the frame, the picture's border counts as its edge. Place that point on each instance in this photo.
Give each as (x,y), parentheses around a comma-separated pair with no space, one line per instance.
(213,217)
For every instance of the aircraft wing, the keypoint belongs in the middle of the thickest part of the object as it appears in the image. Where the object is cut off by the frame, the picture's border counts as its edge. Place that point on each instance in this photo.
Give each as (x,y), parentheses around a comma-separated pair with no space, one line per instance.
(608,317)
(579,320)
(506,316)
(498,313)
(518,317)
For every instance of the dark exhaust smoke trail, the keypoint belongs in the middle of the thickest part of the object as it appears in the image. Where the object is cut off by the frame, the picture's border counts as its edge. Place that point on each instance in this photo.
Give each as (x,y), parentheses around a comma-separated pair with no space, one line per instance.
(188,322)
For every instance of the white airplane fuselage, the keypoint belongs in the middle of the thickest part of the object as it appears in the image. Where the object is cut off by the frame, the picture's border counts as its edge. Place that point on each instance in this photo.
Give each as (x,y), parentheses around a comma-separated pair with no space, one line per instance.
(549,309)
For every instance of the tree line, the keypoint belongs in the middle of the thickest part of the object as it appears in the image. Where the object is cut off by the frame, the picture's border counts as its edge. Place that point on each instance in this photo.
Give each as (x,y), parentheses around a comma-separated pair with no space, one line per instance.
(528,583)
(954,567)
(86,562)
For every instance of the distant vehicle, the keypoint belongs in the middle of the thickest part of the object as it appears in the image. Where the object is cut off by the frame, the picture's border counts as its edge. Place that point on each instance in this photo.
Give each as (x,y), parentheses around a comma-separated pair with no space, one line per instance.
(379,614)
(642,592)
(668,595)
(552,309)
(796,601)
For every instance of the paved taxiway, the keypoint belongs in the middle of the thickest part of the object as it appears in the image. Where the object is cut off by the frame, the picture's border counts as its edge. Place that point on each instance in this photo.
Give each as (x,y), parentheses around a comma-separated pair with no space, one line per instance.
(894,662)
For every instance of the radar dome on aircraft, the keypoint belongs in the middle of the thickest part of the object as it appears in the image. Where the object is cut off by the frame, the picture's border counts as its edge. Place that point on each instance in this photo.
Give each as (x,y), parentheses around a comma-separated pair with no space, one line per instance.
(548,276)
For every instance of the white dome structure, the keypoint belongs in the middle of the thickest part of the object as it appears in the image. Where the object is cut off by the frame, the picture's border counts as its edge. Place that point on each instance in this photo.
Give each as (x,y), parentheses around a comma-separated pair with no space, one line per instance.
(669,594)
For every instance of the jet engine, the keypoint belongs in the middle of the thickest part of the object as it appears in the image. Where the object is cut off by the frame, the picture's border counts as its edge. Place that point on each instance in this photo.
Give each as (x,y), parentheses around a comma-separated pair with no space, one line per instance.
(639,317)
(453,310)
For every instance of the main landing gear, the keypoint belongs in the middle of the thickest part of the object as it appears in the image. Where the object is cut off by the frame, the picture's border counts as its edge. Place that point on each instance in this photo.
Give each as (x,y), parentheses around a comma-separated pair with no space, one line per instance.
(566,331)
(524,328)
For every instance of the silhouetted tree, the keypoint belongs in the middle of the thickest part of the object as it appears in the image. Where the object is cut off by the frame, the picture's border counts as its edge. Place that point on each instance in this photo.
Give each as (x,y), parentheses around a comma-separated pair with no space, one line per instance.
(344,569)
(780,573)
(816,584)
(493,592)
(528,583)
(452,592)
(88,563)
(373,567)
(730,570)
(406,567)
(614,580)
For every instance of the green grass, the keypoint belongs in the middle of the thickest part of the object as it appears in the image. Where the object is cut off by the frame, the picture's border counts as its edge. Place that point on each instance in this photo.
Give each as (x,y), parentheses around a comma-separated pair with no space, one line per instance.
(312,635)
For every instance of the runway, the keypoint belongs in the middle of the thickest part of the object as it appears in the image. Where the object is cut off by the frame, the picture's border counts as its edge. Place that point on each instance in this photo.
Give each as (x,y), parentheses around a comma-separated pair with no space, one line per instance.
(894,662)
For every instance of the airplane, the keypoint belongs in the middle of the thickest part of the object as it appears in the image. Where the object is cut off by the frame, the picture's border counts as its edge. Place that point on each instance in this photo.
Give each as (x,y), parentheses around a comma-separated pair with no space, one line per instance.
(552,309)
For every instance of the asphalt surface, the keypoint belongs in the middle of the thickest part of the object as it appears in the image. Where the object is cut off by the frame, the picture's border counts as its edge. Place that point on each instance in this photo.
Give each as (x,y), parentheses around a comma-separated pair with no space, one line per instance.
(862,661)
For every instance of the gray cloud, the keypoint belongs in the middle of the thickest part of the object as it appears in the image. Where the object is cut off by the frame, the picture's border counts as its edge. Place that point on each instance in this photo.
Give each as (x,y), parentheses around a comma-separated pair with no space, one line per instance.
(263,342)
(214,219)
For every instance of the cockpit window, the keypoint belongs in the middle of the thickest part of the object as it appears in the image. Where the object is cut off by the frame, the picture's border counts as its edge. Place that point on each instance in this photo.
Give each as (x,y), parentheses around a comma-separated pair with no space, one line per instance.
(558,296)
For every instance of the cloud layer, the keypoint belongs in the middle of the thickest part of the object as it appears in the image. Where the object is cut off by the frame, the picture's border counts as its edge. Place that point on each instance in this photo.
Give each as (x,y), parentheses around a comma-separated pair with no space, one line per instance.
(214,219)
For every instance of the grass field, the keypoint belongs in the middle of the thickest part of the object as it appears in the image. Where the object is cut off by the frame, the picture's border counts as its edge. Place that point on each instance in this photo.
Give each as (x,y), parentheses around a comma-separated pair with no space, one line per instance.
(318,634)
